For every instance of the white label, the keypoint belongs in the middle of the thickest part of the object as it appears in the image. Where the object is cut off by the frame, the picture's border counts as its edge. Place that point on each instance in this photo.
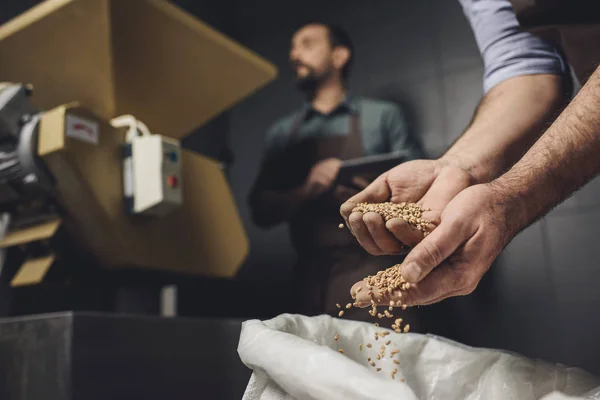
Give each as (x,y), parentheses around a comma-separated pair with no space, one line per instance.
(82,129)
(128,177)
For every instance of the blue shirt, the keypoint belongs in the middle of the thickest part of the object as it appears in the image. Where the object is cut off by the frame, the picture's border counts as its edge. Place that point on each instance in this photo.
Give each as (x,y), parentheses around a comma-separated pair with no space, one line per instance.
(507,50)
(383,127)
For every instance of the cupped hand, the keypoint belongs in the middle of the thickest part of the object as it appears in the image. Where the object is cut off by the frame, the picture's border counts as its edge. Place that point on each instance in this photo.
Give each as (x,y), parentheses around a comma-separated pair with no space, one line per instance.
(475,227)
(429,183)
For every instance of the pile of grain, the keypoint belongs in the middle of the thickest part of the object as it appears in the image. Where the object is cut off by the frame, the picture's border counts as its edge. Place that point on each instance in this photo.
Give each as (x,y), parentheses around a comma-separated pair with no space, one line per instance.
(410,212)
(388,282)
(385,282)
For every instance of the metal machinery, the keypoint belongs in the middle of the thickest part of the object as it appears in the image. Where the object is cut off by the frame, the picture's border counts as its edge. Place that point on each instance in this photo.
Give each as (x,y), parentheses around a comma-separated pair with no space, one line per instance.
(70,163)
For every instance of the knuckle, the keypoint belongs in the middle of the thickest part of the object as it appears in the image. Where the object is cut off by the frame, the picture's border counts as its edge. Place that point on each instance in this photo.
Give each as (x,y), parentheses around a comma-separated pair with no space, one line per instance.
(355,219)
(430,254)
(370,248)
(467,283)
(371,219)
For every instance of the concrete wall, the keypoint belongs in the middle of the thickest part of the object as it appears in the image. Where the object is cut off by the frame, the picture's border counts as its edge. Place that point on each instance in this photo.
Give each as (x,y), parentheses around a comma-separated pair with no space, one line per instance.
(540,299)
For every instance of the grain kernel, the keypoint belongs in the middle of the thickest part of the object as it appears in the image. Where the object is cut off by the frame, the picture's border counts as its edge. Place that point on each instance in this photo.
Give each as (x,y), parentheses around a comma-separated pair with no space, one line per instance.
(338,305)
(341,351)
(360,347)
(406,328)
(378,369)
(349,305)
(340,226)
(369,345)
(372,363)
(336,337)
(396,362)
(388,342)
(341,313)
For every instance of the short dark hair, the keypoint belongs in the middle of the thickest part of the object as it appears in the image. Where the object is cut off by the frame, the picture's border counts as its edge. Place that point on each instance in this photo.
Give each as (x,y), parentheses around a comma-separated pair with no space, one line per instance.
(338,37)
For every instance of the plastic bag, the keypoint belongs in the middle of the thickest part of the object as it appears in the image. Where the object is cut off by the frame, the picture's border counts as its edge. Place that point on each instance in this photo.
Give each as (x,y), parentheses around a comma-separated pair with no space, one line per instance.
(296,357)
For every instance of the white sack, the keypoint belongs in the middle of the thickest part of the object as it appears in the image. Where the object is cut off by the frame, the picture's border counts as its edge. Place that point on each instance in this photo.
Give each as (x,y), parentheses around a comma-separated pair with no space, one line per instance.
(294,357)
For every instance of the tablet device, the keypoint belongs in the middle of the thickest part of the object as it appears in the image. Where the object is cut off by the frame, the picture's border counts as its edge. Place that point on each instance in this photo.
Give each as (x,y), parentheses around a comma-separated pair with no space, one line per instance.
(370,166)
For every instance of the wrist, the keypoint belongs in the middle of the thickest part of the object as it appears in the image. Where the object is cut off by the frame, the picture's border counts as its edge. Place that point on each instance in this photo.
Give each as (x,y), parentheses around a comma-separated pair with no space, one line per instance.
(478,171)
(509,202)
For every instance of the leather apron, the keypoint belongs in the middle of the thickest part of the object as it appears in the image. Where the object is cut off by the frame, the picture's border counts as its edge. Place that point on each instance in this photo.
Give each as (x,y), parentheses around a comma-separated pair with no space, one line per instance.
(330,260)
(571,25)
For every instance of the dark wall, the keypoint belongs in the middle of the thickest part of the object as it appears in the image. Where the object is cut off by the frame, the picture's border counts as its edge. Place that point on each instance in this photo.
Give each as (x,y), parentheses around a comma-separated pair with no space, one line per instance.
(541,297)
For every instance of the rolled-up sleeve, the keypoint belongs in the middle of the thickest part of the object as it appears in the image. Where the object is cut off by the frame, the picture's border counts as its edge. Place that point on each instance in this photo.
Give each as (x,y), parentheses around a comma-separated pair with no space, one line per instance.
(507,50)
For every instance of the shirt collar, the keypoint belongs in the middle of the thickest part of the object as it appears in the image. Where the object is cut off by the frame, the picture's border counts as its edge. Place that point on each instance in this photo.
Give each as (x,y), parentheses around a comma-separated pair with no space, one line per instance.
(348,104)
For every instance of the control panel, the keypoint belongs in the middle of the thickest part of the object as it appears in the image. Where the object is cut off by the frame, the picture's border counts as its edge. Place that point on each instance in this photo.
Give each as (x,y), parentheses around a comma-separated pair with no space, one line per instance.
(152,175)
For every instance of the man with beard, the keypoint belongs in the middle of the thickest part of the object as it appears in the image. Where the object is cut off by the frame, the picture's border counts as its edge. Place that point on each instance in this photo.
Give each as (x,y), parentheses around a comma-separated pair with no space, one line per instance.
(304,150)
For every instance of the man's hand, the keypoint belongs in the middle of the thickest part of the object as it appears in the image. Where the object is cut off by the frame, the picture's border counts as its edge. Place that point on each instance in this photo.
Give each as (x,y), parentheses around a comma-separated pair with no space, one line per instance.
(342,193)
(475,226)
(431,184)
(321,177)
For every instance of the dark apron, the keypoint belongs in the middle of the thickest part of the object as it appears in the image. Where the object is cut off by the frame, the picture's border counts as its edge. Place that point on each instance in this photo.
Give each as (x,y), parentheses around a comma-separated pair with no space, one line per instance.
(571,25)
(330,260)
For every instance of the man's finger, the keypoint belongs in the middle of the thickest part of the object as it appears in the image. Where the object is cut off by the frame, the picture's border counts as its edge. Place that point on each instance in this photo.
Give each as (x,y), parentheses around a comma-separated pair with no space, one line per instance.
(363,295)
(441,283)
(382,237)
(403,232)
(446,186)
(377,192)
(362,234)
(433,250)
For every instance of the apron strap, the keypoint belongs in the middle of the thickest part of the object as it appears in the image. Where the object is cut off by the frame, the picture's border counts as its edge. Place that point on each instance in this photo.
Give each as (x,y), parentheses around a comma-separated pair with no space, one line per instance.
(353,144)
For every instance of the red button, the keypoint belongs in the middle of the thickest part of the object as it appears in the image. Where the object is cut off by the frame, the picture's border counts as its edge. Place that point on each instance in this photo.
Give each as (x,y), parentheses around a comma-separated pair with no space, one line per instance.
(172,181)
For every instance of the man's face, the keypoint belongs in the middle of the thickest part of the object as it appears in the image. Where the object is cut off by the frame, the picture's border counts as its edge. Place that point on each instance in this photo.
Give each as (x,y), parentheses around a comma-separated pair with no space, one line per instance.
(311,56)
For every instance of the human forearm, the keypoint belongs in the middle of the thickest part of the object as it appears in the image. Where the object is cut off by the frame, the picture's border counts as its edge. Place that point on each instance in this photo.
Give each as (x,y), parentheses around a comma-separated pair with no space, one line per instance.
(563,160)
(508,121)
